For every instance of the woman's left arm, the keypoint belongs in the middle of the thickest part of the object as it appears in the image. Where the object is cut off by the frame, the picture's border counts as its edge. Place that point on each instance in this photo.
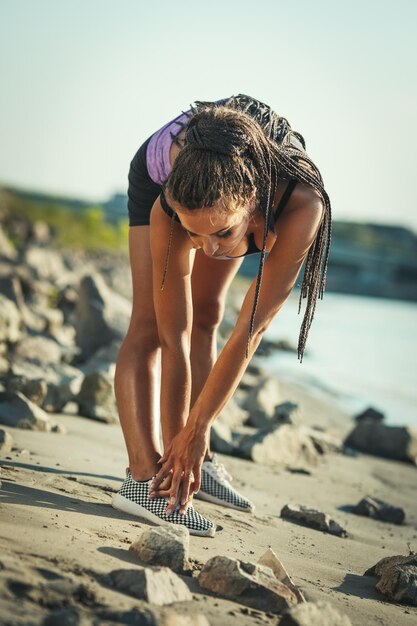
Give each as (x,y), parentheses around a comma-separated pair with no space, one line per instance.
(297,229)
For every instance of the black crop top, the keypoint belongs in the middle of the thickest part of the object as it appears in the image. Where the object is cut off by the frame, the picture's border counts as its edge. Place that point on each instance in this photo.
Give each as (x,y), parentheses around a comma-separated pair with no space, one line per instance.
(252,247)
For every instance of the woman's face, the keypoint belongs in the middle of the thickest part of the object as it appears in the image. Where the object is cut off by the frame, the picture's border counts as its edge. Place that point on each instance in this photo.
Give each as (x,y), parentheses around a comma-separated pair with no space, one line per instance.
(214,230)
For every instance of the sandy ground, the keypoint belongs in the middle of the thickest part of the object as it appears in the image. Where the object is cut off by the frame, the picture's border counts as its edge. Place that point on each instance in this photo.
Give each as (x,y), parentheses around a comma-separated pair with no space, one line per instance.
(56,519)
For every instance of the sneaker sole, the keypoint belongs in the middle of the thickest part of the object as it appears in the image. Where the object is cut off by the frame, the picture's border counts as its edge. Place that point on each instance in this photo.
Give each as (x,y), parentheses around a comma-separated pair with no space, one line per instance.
(127,506)
(201,495)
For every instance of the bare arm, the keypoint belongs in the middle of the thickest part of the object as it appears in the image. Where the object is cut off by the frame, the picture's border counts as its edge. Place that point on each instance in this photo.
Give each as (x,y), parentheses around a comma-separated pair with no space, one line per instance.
(297,229)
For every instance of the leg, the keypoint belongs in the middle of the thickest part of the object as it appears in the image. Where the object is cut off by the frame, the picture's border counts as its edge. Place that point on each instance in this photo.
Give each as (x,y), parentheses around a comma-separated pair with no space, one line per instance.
(136,371)
(210,281)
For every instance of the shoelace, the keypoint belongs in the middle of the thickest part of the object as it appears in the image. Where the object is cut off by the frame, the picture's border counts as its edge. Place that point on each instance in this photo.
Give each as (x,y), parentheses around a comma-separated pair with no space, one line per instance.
(221,471)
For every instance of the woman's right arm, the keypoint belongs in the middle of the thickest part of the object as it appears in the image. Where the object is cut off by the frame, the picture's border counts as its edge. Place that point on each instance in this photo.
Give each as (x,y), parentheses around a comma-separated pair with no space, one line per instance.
(173,310)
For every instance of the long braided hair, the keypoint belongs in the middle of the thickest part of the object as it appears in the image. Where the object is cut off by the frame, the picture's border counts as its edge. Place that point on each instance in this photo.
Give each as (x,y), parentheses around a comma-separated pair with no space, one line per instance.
(233,147)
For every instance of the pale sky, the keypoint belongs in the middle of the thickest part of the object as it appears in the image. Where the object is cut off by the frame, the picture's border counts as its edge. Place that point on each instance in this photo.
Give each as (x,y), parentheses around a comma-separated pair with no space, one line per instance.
(85,82)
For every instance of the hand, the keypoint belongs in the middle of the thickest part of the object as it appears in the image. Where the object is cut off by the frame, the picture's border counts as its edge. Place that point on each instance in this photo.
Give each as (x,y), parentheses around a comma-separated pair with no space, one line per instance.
(183,460)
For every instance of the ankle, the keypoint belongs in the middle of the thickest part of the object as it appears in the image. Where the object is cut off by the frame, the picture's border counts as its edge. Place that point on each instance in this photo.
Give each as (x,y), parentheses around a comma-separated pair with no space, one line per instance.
(143,472)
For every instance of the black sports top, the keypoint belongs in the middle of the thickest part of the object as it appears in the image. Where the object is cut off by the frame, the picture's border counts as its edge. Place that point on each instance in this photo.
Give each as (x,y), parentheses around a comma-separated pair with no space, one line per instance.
(252,247)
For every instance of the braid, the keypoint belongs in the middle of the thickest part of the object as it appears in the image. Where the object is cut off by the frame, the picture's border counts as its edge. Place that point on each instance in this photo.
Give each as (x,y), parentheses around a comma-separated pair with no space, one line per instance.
(233,147)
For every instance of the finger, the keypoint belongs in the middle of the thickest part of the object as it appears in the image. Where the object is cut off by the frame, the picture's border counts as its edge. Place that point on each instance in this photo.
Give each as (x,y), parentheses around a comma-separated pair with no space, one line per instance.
(161,493)
(197,479)
(187,480)
(161,475)
(184,508)
(173,492)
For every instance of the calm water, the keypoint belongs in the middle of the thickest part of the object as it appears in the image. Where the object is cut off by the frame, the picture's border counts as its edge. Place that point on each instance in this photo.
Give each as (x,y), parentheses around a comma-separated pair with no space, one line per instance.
(363,351)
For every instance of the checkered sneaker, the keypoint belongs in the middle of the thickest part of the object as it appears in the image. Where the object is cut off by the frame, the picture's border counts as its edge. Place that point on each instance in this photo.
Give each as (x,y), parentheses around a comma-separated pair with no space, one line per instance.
(133,497)
(215,487)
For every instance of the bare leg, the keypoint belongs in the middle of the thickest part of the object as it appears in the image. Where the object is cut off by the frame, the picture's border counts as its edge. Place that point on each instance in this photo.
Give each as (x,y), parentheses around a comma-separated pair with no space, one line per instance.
(210,281)
(136,370)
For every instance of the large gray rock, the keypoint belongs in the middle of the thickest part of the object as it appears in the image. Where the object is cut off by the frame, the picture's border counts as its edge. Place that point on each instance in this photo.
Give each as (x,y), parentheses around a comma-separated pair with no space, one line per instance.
(96,398)
(164,545)
(10,320)
(104,360)
(100,316)
(232,414)
(6,441)
(156,585)
(397,578)
(19,412)
(314,614)
(312,518)
(38,350)
(380,510)
(148,617)
(35,390)
(46,264)
(285,445)
(263,399)
(391,442)
(62,380)
(248,583)
(221,439)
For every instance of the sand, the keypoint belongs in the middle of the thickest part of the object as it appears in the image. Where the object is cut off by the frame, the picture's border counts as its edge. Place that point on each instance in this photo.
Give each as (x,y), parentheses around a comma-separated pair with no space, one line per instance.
(56,519)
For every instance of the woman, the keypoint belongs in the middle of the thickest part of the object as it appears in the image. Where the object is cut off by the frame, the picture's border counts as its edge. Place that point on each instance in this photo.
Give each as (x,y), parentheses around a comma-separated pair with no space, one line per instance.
(223,180)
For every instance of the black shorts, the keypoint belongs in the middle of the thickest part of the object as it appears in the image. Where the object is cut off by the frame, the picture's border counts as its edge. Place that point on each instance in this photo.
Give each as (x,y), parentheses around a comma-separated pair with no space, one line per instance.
(142,191)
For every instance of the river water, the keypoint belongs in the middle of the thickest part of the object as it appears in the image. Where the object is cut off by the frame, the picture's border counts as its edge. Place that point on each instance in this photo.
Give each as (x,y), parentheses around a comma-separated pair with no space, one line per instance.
(361,351)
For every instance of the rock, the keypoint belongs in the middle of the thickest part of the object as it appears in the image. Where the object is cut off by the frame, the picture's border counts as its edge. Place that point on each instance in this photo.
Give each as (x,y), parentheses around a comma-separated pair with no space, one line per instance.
(104,360)
(156,585)
(247,583)
(100,316)
(312,518)
(221,439)
(369,413)
(397,578)
(96,398)
(391,442)
(325,443)
(19,412)
(38,350)
(378,509)
(262,400)
(314,614)
(62,380)
(46,264)
(41,232)
(7,250)
(280,445)
(287,413)
(270,559)
(35,390)
(10,286)
(10,320)
(68,616)
(251,380)
(6,441)
(164,545)
(232,414)
(60,429)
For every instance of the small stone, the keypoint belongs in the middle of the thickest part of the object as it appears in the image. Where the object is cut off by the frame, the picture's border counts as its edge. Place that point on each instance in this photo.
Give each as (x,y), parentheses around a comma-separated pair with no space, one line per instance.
(397,578)
(314,614)
(156,585)
(59,428)
(167,546)
(6,441)
(270,559)
(249,583)
(380,510)
(312,518)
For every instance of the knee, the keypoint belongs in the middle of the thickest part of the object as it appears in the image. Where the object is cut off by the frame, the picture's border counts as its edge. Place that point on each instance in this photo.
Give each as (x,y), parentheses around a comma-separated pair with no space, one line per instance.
(207,316)
(143,335)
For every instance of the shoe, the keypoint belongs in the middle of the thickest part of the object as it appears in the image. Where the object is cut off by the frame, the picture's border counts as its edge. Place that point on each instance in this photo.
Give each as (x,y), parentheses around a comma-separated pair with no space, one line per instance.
(133,497)
(215,487)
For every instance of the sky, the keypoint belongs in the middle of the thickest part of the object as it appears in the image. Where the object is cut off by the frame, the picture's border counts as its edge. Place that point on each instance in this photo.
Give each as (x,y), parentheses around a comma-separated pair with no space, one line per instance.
(85,82)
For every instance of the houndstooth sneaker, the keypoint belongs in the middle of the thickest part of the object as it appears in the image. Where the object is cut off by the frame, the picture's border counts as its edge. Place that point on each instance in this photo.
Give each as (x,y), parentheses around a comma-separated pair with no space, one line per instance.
(133,498)
(215,487)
